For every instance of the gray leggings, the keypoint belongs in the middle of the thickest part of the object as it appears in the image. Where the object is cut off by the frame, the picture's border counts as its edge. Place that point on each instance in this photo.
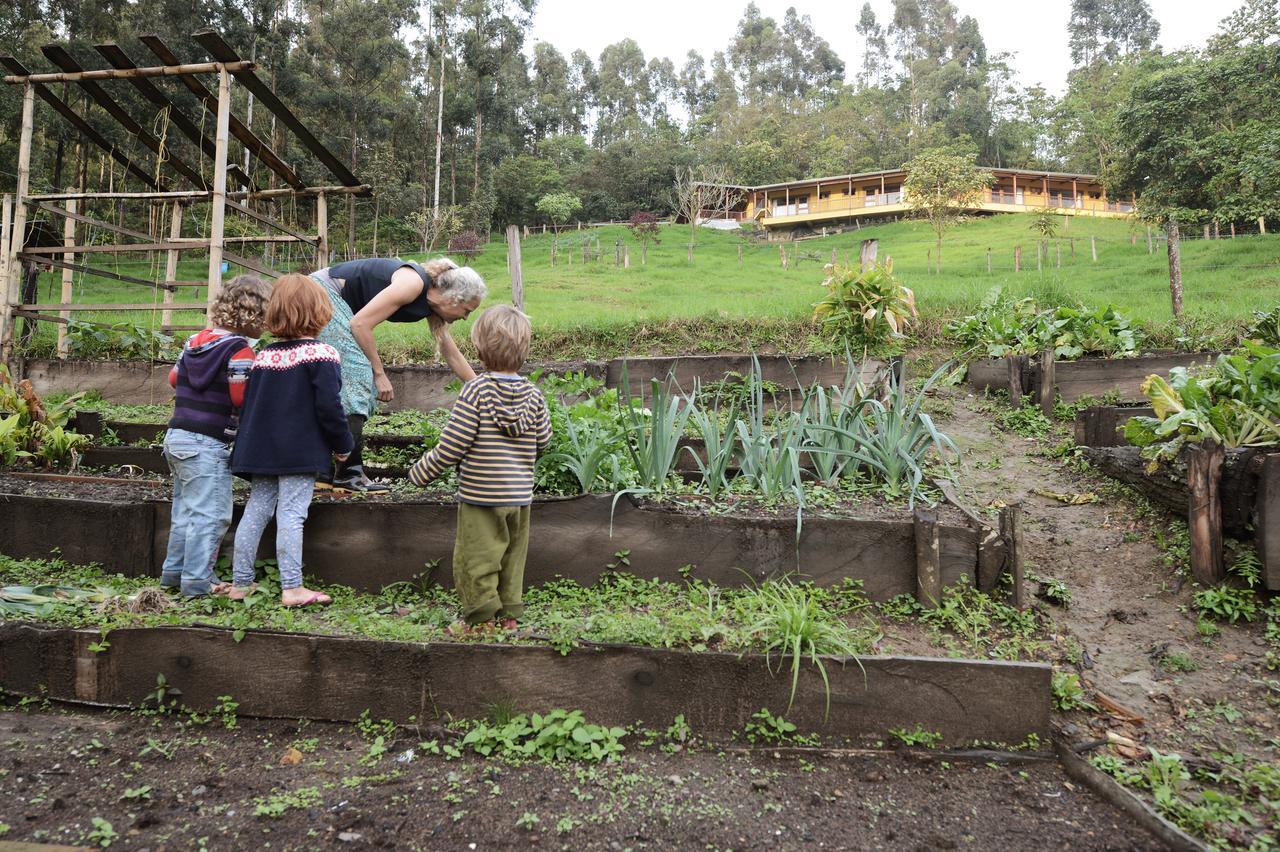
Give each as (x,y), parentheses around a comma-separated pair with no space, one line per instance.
(288,498)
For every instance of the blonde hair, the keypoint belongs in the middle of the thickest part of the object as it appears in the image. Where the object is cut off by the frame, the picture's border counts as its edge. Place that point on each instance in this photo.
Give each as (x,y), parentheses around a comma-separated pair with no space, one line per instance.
(501,335)
(240,304)
(299,307)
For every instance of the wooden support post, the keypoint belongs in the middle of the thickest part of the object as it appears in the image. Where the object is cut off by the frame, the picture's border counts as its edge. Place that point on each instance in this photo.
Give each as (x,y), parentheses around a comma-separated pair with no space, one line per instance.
(1093,247)
(69,239)
(988,260)
(1048,382)
(1017,258)
(1015,363)
(928,558)
(171,263)
(219,207)
(1204,511)
(514,267)
(11,285)
(1268,521)
(322,231)
(1011,529)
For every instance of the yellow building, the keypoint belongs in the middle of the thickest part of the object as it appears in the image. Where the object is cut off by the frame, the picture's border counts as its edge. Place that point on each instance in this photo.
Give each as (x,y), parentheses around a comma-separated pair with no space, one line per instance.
(824,202)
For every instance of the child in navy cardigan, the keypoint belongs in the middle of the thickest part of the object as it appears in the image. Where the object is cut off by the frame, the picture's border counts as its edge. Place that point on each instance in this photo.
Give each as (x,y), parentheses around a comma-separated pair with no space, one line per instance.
(291,428)
(209,379)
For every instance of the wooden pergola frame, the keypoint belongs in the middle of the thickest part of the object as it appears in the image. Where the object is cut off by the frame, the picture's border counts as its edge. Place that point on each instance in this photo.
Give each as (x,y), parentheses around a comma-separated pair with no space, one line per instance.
(72,206)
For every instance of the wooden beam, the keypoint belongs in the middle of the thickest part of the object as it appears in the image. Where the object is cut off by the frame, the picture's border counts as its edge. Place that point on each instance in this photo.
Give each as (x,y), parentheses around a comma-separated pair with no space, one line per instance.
(58,55)
(70,213)
(68,239)
(221,51)
(21,77)
(238,129)
(63,307)
(270,222)
(269,238)
(251,265)
(219,212)
(80,124)
(120,60)
(13,269)
(103,273)
(171,262)
(197,195)
(117,249)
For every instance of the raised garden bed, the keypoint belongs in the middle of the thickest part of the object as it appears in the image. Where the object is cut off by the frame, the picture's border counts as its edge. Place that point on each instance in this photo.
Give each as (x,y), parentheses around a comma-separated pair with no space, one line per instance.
(426,386)
(126,530)
(1103,425)
(1118,379)
(335,678)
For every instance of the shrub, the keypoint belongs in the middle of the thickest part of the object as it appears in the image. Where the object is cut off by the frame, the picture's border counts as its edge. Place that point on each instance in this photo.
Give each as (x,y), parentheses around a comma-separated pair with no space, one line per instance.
(466,243)
(864,308)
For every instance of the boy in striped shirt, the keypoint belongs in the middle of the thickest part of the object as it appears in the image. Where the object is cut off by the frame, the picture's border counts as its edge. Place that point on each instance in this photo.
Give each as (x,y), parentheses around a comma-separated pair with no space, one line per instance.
(496,430)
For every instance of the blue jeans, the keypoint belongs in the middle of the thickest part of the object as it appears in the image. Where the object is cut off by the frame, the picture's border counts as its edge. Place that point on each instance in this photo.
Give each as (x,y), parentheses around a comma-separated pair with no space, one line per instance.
(201,509)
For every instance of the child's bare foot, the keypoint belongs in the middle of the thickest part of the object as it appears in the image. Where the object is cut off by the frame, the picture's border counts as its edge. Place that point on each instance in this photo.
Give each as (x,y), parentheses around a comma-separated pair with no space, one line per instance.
(302,596)
(239,593)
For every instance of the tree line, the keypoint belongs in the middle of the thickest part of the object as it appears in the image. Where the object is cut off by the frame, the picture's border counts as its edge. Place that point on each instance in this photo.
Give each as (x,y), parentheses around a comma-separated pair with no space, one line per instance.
(454,115)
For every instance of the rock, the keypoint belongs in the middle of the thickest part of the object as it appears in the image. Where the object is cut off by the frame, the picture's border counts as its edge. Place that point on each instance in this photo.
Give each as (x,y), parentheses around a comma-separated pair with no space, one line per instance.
(675,780)
(759,784)
(199,790)
(291,757)
(350,836)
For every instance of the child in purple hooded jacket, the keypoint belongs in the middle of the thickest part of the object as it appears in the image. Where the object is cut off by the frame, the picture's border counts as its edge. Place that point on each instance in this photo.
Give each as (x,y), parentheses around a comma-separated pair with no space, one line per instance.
(209,380)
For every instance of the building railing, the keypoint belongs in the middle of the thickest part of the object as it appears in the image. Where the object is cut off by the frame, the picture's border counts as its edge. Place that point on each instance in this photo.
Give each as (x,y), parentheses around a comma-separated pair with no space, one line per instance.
(776,209)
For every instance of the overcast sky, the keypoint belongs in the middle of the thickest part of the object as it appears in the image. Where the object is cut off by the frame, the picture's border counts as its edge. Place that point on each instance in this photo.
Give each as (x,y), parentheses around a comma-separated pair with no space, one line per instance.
(1033,30)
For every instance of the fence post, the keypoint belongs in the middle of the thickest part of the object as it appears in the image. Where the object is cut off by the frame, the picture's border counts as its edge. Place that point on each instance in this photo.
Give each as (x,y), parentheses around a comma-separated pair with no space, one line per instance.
(1217,233)
(626,256)
(1262,225)
(514,267)
(782,250)
(1133,238)
(739,252)
(1233,230)
(1073,248)
(928,259)
(833,255)
(1150,246)
(6,220)
(1204,511)
(1047,382)
(1206,231)
(68,240)
(11,285)
(1058,249)
(1017,258)
(1093,247)
(1016,364)
(1039,253)
(867,253)
(988,260)
(1011,529)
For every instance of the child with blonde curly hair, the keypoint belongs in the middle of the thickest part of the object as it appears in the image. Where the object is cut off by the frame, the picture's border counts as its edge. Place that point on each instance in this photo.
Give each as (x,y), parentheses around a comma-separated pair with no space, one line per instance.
(209,379)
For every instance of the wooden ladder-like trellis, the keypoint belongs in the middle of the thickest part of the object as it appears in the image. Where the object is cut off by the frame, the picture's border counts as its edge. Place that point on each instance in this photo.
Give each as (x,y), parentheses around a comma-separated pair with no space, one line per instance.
(74,256)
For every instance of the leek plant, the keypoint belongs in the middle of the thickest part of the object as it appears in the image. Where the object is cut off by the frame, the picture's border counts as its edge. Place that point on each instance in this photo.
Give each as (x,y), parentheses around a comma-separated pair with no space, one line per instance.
(719,441)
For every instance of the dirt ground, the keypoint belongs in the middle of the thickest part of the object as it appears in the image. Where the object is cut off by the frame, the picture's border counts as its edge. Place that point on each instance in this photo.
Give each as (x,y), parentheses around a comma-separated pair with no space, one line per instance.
(163,783)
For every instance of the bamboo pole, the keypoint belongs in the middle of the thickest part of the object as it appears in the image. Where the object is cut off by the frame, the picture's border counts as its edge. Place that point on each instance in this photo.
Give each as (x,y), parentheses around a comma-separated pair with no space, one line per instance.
(171,264)
(130,73)
(69,239)
(218,214)
(13,269)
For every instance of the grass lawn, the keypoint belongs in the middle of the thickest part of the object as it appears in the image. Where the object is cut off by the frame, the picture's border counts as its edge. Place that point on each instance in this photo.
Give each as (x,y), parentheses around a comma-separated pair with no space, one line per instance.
(717,303)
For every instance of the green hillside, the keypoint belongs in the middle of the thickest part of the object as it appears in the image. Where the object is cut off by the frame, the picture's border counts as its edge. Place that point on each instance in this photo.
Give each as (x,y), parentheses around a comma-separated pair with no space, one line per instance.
(717,302)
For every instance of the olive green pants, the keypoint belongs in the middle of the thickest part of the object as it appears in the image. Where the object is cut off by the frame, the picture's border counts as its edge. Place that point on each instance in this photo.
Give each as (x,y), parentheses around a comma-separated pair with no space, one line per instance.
(488,561)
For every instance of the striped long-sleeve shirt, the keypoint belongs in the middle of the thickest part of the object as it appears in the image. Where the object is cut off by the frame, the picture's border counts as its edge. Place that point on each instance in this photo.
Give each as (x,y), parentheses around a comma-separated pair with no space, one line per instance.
(496,430)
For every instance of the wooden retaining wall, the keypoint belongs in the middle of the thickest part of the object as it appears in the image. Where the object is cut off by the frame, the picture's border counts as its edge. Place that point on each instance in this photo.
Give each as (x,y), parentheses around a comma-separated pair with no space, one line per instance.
(368,544)
(1103,425)
(1087,377)
(425,386)
(323,677)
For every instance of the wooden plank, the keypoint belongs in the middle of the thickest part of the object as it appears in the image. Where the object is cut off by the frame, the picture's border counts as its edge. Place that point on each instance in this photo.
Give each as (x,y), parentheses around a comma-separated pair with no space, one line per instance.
(246,136)
(20,77)
(271,223)
(1268,521)
(104,273)
(80,124)
(70,212)
(221,51)
(200,195)
(1016,364)
(58,55)
(11,286)
(116,249)
(268,238)
(1204,512)
(928,558)
(1098,377)
(120,60)
(1011,529)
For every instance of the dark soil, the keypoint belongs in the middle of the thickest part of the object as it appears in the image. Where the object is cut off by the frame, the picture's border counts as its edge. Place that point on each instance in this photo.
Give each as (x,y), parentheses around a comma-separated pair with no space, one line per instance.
(59,771)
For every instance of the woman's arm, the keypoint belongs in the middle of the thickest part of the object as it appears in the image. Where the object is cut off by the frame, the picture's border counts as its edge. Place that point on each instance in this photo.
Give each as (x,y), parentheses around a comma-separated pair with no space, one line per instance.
(449,349)
(406,285)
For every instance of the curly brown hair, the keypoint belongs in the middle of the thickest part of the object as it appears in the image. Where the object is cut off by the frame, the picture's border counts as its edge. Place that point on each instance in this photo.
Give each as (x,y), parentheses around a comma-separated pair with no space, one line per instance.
(241,304)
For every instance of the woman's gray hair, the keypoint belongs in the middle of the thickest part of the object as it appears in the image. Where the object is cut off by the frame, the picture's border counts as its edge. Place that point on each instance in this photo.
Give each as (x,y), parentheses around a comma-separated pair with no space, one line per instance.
(461,284)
